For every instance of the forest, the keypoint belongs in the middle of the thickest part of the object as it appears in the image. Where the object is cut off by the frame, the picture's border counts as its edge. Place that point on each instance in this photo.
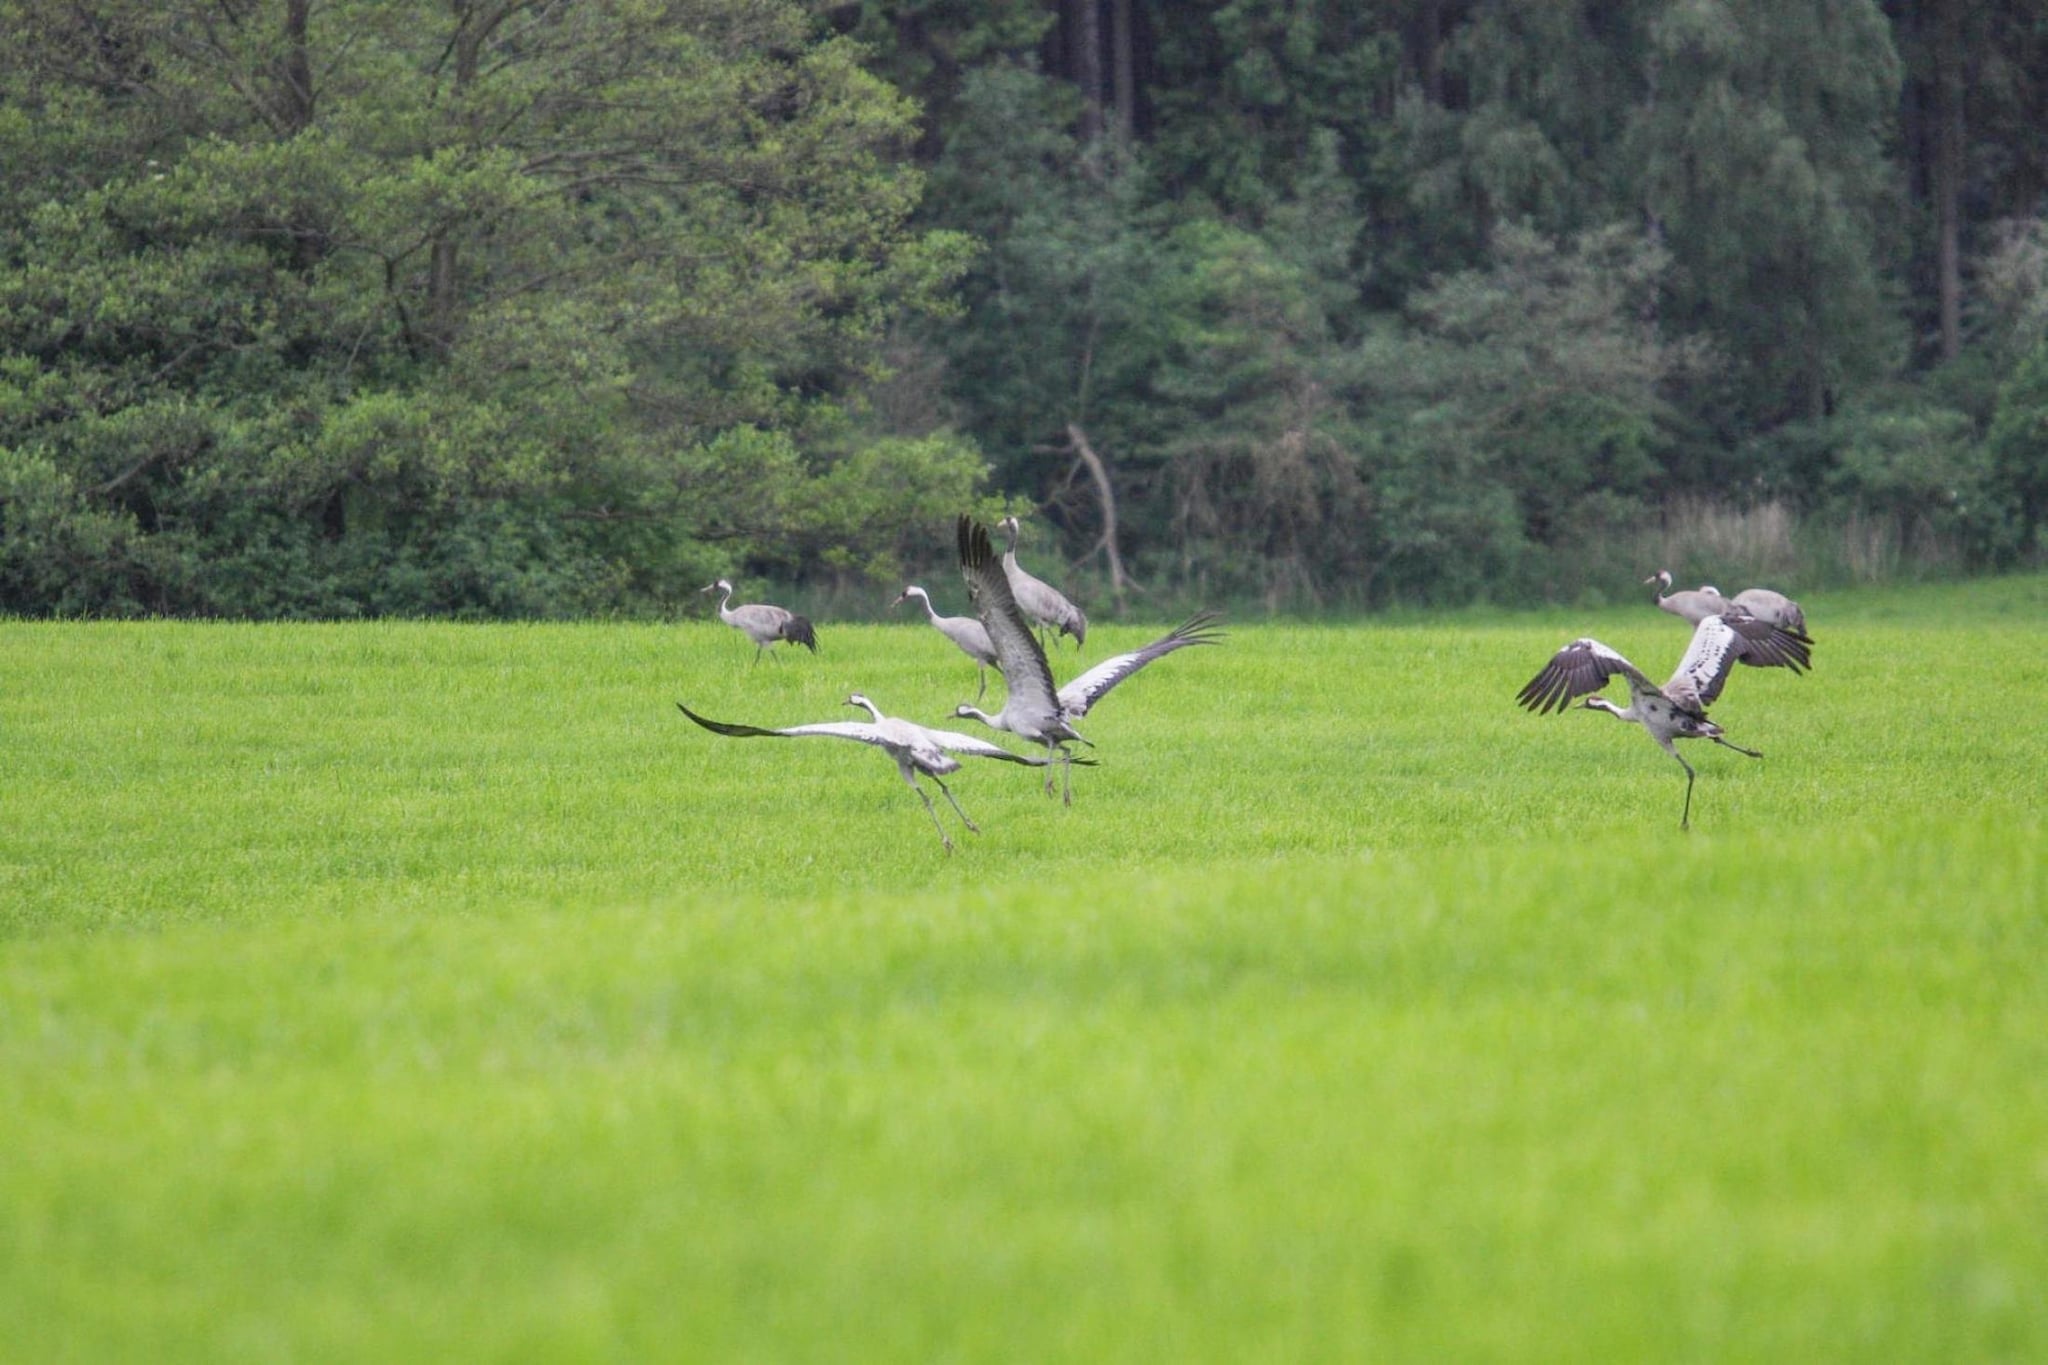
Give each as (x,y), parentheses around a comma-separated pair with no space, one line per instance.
(549,308)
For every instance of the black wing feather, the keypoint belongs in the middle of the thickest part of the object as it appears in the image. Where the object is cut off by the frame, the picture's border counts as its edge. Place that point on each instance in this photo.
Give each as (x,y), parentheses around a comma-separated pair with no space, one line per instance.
(719,727)
(1026,674)
(1579,669)
(1765,644)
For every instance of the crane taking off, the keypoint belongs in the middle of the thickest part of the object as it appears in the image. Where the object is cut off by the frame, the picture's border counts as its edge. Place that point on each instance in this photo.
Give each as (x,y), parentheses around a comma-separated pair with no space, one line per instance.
(914,748)
(1032,709)
(1678,709)
(765,625)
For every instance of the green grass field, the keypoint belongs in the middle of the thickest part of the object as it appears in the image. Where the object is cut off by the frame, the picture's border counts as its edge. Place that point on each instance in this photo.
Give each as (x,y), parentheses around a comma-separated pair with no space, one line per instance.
(422,992)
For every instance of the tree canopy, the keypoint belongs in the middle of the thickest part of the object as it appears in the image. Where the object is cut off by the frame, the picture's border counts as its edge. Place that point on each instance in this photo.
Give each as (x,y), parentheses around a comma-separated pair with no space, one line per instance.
(523,307)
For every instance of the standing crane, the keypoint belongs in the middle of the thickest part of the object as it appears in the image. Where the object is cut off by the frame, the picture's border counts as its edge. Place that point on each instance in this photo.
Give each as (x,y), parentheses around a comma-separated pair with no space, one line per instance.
(764,624)
(914,748)
(1762,603)
(965,631)
(1678,709)
(1768,605)
(1032,709)
(1043,605)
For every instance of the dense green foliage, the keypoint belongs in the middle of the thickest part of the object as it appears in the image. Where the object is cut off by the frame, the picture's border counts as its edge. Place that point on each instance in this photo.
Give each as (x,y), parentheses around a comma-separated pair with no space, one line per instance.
(408,991)
(511,308)
(501,308)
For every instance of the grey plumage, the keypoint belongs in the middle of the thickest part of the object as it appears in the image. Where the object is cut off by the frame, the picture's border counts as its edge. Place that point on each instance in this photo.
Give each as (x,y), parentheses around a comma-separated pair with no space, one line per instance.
(1678,709)
(1081,694)
(765,625)
(1768,605)
(1033,709)
(1693,605)
(965,631)
(1041,603)
(914,748)
(1707,600)
(1776,610)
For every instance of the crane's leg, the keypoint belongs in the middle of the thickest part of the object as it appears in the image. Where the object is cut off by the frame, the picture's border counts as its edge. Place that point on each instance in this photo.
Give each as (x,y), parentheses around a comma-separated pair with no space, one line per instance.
(971,826)
(929,810)
(1685,816)
(982,690)
(1736,747)
(757,654)
(1067,773)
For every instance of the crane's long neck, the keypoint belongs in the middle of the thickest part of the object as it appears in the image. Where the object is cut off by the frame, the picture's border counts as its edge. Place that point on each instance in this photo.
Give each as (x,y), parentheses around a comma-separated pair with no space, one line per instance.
(996,722)
(929,610)
(1010,551)
(872,709)
(1618,712)
(725,605)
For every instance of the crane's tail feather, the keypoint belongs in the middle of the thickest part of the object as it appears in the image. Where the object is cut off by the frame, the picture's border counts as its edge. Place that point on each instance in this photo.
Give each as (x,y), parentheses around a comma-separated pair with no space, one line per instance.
(798,630)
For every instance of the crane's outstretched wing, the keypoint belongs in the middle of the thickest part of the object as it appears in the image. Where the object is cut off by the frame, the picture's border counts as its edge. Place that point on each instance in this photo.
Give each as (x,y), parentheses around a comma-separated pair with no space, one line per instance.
(1025,671)
(863,731)
(1718,641)
(1767,643)
(1581,667)
(1083,692)
(954,742)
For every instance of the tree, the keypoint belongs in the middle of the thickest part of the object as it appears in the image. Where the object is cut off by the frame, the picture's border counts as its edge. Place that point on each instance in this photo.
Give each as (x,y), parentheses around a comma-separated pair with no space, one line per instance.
(1747,138)
(1518,418)
(472,291)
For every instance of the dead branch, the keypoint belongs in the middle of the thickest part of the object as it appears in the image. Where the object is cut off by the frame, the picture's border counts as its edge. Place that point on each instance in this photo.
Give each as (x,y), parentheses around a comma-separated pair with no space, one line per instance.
(1118,579)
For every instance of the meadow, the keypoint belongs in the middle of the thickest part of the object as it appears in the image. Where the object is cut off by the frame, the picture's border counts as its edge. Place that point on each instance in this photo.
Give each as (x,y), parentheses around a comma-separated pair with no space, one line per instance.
(401,991)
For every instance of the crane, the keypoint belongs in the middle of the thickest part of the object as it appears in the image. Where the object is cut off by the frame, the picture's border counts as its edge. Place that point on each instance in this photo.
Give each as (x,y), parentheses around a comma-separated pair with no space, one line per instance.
(1707,600)
(1043,605)
(914,748)
(965,631)
(1033,710)
(1678,709)
(1768,605)
(764,624)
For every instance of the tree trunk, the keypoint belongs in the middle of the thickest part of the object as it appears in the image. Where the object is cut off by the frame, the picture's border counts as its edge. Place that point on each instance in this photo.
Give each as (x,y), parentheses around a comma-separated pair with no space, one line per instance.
(444,262)
(295,71)
(1949,151)
(1084,43)
(1106,495)
(1123,66)
(1432,50)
